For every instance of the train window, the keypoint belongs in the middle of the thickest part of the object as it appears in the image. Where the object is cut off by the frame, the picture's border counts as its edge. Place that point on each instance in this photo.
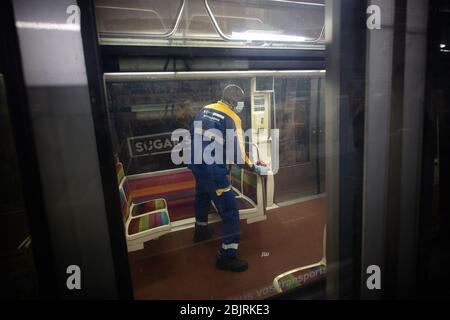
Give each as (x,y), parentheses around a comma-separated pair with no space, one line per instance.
(299,117)
(264,84)
(264,24)
(345,164)
(268,21)
(293,101)
(136,18)
(144,114)
(282,107)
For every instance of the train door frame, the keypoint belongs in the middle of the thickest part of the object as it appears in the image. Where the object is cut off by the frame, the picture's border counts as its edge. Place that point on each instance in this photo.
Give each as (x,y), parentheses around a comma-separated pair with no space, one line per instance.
(93,62)
(344,37)
(338,34)
(16,95)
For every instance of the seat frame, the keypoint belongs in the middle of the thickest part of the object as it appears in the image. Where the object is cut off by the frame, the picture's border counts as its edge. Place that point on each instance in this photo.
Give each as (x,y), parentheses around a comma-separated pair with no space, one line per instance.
(136,240)
(251,214)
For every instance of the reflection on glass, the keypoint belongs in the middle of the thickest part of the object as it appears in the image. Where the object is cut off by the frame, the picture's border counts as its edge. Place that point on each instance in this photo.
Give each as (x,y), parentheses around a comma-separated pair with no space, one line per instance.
(269,21)
(144,114)
(137,17)
(17,273)
(144,109)
(293,107)
(212,23)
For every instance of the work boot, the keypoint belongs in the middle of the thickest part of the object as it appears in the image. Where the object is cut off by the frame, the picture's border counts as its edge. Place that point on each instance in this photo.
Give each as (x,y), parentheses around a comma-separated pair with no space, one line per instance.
(203,233)
(232,264)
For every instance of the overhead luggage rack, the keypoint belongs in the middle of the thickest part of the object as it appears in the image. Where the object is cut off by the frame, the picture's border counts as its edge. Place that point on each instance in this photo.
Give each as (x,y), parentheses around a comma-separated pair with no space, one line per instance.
(165,35)
(212,23)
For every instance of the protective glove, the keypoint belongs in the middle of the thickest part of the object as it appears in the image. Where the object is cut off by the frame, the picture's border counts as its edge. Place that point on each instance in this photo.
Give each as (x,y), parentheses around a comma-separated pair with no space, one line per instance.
(261,170)
(261,163)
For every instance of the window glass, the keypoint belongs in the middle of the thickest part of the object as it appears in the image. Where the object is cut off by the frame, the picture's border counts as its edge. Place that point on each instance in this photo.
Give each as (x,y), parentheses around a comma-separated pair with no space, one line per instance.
(282,110)
(17,270)
(293,103)
(269,21)
(265,23)
(342,191)
(153,18)
(145,113)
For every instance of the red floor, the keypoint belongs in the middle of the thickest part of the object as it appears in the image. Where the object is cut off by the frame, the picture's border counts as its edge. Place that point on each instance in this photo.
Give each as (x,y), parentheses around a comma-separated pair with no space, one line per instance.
(173,267)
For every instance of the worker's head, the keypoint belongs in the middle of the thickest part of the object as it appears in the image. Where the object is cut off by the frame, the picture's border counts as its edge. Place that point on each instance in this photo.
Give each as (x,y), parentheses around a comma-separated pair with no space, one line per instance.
(234,96)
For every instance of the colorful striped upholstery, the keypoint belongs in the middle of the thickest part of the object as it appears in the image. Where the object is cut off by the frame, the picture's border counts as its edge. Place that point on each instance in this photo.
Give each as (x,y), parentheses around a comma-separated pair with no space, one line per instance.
(178,189)
(127,191)
(249,188)
(119,172)
(124,204)
(152,205)
(174,186)
(235,177)
(145,220)
(148,222)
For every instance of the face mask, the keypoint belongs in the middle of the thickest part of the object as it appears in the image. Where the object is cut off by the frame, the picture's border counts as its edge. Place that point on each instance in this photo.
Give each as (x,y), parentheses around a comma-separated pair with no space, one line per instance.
(240,106)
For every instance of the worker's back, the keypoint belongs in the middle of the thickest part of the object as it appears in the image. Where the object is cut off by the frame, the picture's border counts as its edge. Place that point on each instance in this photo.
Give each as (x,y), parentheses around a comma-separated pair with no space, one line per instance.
(211,124)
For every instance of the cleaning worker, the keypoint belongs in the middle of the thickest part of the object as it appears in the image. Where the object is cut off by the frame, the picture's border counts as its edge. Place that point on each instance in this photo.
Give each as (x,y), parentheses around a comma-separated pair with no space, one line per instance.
(212,182)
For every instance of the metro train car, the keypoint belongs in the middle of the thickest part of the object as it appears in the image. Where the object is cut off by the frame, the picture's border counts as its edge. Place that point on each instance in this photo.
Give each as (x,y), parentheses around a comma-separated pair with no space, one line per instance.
(142,128)
(148,97)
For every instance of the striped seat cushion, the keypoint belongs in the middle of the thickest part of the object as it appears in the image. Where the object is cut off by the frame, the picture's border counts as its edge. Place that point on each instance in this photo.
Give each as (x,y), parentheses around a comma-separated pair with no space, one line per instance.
(148,222)
(173,185)
(249,185)
(119,172)
(178,189)
(124,205)
(152,205)
(235,177)
(127,191)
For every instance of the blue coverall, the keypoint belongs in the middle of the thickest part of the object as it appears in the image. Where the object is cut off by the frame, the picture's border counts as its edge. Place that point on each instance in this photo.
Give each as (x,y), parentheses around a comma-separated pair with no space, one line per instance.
(212,182)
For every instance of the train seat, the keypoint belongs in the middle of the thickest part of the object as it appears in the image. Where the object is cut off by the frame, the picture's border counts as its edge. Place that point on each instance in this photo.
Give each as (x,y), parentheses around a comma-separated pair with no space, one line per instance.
(300,277)
(177,187)
(246,185)
(152,201)
(143,220)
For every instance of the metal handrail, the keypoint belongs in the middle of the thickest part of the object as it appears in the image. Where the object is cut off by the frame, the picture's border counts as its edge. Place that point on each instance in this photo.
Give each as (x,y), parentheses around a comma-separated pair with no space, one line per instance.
(227,38)
(25,244)
(216,24)
(166,35)
(135,9)
(186,75)
(222,16)
(299,3)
